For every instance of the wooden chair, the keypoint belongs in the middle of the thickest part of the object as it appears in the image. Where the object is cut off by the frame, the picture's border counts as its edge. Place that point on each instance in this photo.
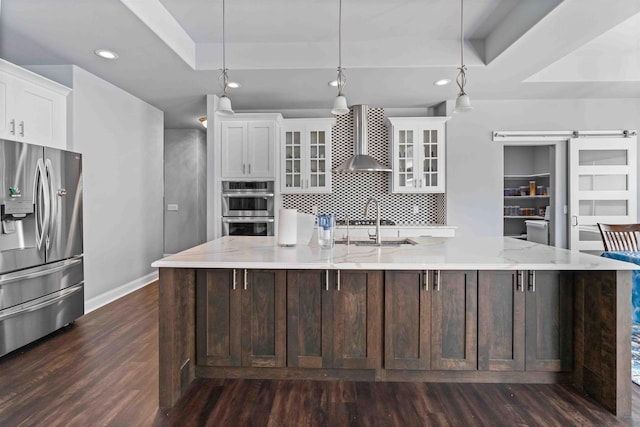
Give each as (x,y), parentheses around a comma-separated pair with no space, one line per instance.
(620,237)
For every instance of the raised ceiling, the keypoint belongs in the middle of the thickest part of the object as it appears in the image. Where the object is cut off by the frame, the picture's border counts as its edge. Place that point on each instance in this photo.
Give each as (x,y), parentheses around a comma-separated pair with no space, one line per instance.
(284,52)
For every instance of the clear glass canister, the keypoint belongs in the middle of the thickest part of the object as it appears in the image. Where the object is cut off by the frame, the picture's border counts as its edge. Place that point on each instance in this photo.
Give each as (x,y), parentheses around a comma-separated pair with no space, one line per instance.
(326,228)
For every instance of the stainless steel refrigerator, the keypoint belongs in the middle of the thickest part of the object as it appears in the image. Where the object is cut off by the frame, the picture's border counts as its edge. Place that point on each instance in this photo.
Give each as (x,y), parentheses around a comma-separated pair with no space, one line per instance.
(41,264)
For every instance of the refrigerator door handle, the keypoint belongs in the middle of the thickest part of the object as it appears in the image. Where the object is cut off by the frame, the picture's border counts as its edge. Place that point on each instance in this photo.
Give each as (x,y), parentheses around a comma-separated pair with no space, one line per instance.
(44,270)
(42,212)
(51,229)
(65,293)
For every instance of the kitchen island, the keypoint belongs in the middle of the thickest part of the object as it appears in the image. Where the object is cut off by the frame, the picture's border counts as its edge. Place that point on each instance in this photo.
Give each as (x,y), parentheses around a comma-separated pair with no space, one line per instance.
(447,310)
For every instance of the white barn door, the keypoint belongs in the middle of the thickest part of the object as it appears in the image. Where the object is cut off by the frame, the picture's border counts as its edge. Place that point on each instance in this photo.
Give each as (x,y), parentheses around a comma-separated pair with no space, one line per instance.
(602,188)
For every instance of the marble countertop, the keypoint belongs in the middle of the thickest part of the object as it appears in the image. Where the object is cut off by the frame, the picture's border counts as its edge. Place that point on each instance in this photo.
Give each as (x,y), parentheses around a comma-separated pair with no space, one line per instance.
(401,226)
(431,253)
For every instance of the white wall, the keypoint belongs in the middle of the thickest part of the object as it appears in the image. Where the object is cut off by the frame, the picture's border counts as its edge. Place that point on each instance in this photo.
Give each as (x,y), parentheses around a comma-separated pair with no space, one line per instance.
(184,185)
(475,162)
(121,140)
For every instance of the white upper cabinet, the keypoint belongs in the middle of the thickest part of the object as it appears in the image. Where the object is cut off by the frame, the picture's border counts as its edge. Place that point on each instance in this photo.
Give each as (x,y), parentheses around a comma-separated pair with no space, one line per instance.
(248,149)
(32,109)
(4,100)
(418,154)
(306,156)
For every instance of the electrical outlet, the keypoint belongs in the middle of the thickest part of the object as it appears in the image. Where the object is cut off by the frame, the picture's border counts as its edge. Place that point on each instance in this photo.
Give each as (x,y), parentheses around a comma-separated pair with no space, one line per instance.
(314,210)
(416,209)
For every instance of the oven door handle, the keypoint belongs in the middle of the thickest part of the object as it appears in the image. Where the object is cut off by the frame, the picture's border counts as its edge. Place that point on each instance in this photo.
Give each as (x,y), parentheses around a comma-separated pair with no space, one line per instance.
(245,195)
(247,220)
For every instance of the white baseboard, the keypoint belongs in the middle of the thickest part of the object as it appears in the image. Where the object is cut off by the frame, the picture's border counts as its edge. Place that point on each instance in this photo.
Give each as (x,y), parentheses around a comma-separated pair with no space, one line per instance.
(112,295)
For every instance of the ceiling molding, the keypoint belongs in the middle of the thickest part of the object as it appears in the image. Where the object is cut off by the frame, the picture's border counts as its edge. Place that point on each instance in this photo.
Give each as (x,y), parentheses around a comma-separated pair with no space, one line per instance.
(155,16)
(521,19)
(611,57)
(379,54)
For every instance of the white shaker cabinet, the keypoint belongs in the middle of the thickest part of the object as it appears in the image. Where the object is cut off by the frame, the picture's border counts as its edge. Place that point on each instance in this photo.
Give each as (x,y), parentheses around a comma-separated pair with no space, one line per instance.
(33,109)
(306,156)
(418,154)
(4,100)
(248,149)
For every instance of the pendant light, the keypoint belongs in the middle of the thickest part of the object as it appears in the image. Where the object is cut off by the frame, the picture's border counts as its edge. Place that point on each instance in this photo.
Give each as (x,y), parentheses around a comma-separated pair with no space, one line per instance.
(224,103)
(463,103)
(340,103)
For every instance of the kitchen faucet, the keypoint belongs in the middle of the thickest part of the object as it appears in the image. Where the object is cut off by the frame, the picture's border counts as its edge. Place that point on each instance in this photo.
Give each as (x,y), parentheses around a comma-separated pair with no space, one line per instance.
(378,238)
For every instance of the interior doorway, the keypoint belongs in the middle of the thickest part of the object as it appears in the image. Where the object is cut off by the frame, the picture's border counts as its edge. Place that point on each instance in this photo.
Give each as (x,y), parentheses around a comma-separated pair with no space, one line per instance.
(534,192)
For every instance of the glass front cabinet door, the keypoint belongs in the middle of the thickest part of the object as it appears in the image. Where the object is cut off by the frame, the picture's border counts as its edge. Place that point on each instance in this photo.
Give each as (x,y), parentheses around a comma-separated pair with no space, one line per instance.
(306,156)
(418,154)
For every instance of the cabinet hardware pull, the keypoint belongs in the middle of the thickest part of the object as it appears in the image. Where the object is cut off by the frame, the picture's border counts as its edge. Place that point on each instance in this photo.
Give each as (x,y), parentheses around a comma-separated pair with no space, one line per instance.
(436,273)
(532,280)
(425,277)
(519,284)
(12,131)
(574,220)
(235,283)
(326,280)
(249,168)
(22,128)
(243,168)
(338,280)
(245,279)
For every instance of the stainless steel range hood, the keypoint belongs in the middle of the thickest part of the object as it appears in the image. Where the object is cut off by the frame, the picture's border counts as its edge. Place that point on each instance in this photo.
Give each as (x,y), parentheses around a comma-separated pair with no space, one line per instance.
(361,161)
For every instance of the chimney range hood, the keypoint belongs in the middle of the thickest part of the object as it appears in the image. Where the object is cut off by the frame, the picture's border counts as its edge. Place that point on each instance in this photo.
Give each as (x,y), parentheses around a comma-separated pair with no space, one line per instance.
(361,161)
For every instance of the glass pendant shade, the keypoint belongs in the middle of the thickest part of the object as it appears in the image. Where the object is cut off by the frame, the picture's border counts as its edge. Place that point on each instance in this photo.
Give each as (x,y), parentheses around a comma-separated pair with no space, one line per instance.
(340,106)
(224,106)
(463,104)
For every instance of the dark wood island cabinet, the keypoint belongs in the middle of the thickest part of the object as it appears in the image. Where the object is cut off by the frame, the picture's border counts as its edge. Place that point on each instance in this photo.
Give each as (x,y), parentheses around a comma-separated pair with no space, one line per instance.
(334,319)
(456,324)
(240,320)
(525,321)
(430,320)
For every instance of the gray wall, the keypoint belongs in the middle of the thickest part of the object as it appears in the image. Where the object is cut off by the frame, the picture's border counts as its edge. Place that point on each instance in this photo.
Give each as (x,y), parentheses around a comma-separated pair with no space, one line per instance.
(185,185)
(475,162)
(121,139)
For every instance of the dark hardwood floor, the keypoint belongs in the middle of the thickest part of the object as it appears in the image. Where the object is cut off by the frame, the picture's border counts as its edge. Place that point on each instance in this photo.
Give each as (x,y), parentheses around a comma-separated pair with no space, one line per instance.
(102,371)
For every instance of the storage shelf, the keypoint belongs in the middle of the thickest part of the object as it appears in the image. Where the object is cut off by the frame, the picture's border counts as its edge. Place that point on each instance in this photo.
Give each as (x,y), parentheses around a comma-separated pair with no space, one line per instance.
(523,217)
(535,175)
(526,197)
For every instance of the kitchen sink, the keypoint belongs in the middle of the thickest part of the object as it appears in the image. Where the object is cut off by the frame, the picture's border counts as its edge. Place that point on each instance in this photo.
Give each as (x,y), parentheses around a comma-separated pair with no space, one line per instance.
(384,243)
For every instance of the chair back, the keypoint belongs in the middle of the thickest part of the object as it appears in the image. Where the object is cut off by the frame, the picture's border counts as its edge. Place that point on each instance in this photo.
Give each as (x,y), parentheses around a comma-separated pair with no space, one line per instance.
(620,237)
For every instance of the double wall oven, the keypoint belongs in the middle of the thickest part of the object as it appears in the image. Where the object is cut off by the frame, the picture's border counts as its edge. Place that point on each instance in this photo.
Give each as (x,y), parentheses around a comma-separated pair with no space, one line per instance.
(247,208)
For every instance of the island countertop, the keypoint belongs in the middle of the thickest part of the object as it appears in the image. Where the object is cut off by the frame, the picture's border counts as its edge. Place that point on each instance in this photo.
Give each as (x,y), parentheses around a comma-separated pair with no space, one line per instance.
(430,253)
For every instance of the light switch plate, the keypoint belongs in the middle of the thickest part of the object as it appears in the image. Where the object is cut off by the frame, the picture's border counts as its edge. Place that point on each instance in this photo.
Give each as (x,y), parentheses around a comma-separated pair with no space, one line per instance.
(172,207)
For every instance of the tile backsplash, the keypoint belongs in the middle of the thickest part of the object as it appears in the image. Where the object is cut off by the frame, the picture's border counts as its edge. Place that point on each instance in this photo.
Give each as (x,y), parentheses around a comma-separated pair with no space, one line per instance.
(351,190)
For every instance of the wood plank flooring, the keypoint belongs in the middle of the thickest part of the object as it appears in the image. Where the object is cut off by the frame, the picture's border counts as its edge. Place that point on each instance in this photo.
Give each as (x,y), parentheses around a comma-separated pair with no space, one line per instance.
(102,371)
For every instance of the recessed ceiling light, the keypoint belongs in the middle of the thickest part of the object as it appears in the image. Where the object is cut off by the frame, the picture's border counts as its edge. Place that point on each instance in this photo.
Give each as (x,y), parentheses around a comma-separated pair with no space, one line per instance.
(442,82)
(233,85)
(106,54)
(333,83)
